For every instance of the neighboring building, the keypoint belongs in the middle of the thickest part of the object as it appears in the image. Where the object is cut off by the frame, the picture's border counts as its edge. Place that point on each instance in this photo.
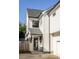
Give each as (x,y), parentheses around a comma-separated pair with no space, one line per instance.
(43,29)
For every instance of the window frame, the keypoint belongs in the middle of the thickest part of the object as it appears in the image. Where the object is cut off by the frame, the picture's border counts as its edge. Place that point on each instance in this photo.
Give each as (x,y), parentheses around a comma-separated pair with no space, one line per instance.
(35,23)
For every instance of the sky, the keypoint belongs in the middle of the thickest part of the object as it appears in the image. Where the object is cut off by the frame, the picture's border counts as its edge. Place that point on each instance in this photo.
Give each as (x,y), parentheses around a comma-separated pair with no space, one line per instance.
(33,4)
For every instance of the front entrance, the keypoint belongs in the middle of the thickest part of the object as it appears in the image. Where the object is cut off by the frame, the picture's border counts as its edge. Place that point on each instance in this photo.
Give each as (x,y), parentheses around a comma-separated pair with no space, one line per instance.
(35,44)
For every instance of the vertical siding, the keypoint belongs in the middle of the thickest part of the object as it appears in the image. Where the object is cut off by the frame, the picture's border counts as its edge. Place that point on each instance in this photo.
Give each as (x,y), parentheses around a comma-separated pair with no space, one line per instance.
(31,43)
(27,22)
(46,33)
(41,24)
(54,27)
(44,27)
(56,46)
(55,21)
(23,46)
(51,44)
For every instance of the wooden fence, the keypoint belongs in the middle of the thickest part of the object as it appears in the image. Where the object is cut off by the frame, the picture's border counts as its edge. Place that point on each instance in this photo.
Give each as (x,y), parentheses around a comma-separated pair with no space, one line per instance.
(23,46)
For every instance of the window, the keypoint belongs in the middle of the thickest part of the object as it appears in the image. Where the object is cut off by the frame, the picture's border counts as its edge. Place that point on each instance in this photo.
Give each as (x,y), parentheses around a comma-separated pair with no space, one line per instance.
(54,14)
(35,23)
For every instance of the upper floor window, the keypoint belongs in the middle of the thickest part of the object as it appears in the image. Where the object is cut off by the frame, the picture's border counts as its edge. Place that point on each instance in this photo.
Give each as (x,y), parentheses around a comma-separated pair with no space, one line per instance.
(35,23)
(54,14)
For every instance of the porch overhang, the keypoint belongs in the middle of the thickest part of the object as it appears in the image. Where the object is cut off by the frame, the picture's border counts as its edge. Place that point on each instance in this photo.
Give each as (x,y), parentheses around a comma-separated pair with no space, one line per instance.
(35,31)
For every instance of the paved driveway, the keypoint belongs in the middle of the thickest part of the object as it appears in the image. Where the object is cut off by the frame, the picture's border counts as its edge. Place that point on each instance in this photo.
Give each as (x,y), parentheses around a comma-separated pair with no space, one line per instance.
(37,56)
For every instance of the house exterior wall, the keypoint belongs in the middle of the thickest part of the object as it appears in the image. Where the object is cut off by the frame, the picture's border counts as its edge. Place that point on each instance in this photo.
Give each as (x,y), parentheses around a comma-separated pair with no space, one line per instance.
(46,33)
(44,27)
(54,21)
(47,25)
(31,45)
(54,27)
(41,24)
(27,22)
(29,25)
(51,44)
(56,46)
(41,27)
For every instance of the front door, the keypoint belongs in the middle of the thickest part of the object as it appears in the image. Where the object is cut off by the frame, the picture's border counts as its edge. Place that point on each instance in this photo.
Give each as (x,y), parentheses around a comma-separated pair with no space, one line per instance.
(35,43)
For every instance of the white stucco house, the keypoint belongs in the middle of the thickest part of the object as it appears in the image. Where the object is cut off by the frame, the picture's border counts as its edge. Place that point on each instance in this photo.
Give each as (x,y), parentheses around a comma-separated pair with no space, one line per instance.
(43,29)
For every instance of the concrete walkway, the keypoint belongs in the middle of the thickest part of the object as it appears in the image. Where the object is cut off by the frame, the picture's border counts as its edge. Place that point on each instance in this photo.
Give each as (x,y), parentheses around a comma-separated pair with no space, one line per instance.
(37,56)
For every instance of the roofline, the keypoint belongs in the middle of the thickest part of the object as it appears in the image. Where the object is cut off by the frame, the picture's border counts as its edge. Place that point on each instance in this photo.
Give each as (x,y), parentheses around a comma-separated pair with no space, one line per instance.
(35,9)
(36,34)
(49,10)
(34,17)
(46,11)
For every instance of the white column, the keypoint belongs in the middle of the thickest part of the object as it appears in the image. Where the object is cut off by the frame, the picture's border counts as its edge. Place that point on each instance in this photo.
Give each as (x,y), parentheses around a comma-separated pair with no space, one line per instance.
(31,44)
(46,42)
(38,43)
